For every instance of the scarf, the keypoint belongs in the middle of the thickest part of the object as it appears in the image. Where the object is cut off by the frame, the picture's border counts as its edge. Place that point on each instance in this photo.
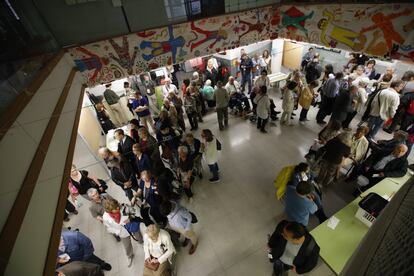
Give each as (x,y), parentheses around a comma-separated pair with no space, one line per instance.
(116,216)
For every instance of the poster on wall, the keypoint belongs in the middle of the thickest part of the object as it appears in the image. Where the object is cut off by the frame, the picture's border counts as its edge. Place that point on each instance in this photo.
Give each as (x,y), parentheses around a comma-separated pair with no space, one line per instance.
(385,30)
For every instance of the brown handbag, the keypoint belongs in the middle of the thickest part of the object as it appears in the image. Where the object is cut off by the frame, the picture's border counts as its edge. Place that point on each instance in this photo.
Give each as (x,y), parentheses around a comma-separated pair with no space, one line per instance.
(151,266)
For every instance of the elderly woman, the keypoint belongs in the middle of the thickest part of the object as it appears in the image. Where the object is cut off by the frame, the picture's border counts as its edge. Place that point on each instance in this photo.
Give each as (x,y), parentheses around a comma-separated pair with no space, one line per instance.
(190,106)
(333,154)
(158,250)
(359,147)
(210,153)
(83,181)
(172,112)
(117,223)
(194,90)
(149,199)
(178,104)
(185,170)
(208,93)
(262,108)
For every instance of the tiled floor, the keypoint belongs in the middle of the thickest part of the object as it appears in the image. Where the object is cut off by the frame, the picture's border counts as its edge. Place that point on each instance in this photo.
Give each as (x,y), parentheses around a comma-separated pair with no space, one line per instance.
(236,214)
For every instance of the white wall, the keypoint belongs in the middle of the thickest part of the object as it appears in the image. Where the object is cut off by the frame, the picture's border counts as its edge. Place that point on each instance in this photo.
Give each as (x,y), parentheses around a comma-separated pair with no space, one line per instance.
(277,55)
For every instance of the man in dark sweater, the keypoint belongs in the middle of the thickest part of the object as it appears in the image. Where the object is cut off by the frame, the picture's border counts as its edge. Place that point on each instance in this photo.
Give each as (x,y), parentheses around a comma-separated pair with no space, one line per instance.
(380,165)
(246,65)
(291,247)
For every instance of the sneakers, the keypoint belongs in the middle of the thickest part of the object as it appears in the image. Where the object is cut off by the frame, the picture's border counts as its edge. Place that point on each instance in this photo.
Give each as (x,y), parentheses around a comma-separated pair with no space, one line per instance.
(214,180)
(263,131)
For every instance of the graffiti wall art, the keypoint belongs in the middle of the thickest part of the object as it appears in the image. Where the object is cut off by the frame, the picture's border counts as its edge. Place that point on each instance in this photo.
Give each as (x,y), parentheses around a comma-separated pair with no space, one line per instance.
(381,30)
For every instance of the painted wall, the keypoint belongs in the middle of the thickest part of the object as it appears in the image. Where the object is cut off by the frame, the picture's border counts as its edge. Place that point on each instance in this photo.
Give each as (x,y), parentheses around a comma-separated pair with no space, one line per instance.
(381,30)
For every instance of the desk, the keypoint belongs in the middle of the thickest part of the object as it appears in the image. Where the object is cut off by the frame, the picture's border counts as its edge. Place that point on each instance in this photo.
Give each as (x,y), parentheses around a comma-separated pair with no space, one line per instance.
(338,245)
(111,142)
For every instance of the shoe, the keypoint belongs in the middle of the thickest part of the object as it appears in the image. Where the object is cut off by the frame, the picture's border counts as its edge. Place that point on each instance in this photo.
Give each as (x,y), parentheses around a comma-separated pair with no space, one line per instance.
(76,212)
(131,259)
(66,219)
(277,112)
(185,242)
(200,175)
(302,123)
(293,114)
(106,267)
(214,180)
(192,249)
(263,131)
(292,118)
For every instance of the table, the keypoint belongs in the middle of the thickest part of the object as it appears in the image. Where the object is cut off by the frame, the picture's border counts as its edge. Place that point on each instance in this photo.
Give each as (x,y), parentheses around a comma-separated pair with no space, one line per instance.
(276,78)
(338,245)
(111,142)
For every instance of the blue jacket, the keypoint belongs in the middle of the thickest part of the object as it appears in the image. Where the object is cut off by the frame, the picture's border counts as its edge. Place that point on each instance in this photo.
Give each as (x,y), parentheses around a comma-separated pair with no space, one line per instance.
(78,246)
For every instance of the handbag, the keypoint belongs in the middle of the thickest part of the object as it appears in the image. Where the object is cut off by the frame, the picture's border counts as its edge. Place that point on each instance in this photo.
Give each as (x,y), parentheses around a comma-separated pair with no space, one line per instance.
(151,266)
(218,144)
(72,189)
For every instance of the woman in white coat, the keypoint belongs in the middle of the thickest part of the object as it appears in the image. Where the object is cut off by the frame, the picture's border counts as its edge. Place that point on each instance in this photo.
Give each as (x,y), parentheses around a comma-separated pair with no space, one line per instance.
(116,222)
(158,251)
(262,108)
(209,149)
(288,103)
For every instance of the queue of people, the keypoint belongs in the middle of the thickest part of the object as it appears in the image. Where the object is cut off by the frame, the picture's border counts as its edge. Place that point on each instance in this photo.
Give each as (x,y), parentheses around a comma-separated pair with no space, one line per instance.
(159,163)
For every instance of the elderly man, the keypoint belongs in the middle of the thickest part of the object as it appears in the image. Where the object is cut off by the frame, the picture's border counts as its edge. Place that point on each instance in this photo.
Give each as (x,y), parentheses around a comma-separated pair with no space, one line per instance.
(383,107)
(141,107)
(222,102)
(387,146)
(168,87)
(237,97)
(379,166)
(97,205)
(75,246)
(113,101)
(359,147)
(185,170)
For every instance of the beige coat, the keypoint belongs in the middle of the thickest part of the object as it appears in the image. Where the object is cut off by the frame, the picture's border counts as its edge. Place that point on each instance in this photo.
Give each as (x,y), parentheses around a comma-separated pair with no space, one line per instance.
(306,97)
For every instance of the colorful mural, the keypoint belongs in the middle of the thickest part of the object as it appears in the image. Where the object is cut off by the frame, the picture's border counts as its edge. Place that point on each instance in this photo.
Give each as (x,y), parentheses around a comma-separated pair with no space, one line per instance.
(381,30)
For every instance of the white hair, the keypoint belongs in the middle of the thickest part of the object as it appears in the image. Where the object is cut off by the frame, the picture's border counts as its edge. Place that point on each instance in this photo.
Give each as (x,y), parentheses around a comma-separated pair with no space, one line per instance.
(91,191)
(183,149)
(208,82)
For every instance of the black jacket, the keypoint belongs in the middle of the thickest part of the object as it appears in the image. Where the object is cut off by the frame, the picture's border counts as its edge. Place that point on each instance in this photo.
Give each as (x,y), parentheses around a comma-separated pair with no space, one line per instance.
(308,254)
(342,105)
(395,168)
(126,148)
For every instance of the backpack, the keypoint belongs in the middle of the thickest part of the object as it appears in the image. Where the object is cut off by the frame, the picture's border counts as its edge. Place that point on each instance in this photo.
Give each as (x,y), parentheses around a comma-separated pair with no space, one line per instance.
(282,180)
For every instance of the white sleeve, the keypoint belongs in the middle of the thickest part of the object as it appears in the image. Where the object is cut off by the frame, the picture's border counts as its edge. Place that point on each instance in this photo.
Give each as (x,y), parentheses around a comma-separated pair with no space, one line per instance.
(166,240)
(146,247)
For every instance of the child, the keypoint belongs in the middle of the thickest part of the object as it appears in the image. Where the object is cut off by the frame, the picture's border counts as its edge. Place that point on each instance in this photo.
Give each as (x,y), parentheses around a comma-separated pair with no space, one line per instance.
(288,102)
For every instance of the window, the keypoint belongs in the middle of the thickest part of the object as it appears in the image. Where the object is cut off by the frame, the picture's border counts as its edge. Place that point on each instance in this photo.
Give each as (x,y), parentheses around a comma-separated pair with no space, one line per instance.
(175,10)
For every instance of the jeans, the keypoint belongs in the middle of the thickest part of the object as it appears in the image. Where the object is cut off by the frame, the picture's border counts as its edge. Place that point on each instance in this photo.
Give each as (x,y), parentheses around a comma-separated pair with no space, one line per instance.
(375,123)
(246,78)
(222,116)
(261,123)
(214,170)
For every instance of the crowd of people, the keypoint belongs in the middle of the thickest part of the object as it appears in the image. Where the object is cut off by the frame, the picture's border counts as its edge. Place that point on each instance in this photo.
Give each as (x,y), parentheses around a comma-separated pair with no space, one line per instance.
(158,162)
